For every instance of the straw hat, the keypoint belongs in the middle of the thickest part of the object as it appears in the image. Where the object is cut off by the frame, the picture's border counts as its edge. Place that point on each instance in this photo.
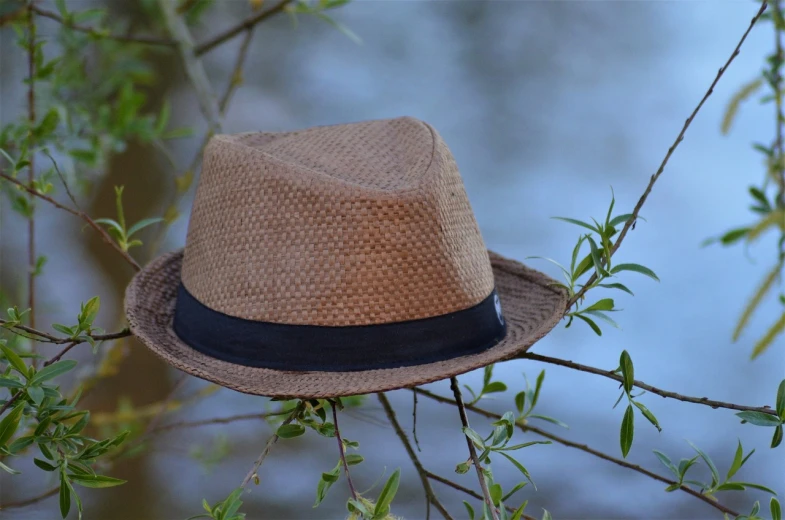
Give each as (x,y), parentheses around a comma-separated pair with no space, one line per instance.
(333,261)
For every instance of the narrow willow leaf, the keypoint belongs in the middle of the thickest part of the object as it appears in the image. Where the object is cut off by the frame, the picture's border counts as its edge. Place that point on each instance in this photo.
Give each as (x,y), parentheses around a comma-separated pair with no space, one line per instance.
(596,259)
(635,268)
(780,406)
(577,223)
(518,514)
(549,419)
(627,431)
(14,360)
(622,219)
(776,439)
(757,486)
(52,371)
(518,487)
(757,297)
(288,431)
(593,325)
(737,461)
(769,337)
(495,387)
(666,461)
(648,415)
(143,224)
(734,235)
(65,497)
(619,286)
(388,492)
(496,493)
(715,475)
(469,509)
(538,387)
(627,371)
(776,509)
(95,481)
(746,90)
(520,467)
(10,423)
(606,304)
(474,437)
(775,218)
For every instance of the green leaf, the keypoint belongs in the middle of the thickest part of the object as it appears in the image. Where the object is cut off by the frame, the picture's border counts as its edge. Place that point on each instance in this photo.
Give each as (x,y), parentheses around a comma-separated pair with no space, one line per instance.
(593,325)
(627,431)
(143,224)
(7,382)
(769,337)
(776,510)
(95,481)
(388,493)
(495,387)
(469,509)
(52,371)
(606,304)
(496,493)
(520,467)
(757,486)
(760,293)
(746,90)
(36,393)
(737,461)
(549,419)
(715,475)
(776,439)
(111,224)
(546,515)
(730,486)
(647,414)
(619,286)
(354,458)
(577,223)
(288,431)
(10,423)
(666,461)
(62,329)
(89,312)
(596,258)
(474,437)
(518,487)
(627,371)
(520,400)
(65,497)
(775,218)
(14,360)
(9,470)
(734,235)
(635,268)
(44,465)
(780,406)
(758,418)
(622,219)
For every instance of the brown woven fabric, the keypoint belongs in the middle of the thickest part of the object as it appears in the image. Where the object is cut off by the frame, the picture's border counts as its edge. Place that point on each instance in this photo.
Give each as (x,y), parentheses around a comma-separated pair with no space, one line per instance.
(340,225)
(532,307)
(355,224)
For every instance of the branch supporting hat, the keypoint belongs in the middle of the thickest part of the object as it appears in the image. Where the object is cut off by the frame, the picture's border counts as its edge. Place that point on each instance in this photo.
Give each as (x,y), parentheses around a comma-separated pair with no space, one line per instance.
(333,261)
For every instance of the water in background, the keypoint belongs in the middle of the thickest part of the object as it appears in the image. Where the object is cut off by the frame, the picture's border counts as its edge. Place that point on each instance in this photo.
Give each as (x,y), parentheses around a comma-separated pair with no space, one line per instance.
(545,105)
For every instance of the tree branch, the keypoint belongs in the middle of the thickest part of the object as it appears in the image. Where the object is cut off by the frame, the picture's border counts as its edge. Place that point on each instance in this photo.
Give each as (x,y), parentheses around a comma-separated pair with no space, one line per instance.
(193,66)
(583,447)
(246,24)
(470,492)
(273,439)
(430,496)
(43,337)
(640,384)
(631,221)
(99,34)
(84,216)
(472,452)
(341,450)
(32,500)
(31,257)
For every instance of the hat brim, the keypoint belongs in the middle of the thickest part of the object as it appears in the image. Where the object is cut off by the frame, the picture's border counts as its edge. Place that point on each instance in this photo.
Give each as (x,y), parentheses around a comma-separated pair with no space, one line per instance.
(531,302)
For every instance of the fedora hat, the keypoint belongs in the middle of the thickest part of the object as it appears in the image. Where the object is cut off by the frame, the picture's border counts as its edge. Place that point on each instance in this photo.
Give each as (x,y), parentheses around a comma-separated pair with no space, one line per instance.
(332,261)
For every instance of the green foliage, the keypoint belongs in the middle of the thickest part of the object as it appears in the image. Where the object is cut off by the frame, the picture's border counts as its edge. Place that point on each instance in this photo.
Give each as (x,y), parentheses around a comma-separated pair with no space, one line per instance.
(627,431)
(227,509)
(526,400)
(717,483)
(117,227)
(596,268)
(317,8)
(768,420)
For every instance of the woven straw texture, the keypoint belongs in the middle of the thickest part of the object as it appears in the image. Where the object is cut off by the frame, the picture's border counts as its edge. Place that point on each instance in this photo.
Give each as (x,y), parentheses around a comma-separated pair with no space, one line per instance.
(532,307)
(356,224)
(352,224)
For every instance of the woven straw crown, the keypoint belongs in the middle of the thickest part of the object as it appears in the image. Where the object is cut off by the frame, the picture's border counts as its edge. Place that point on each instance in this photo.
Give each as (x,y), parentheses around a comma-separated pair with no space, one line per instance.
(355,224)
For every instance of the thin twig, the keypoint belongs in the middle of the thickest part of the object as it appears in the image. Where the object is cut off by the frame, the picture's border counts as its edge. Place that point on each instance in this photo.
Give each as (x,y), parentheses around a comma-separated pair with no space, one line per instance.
(640,384)
(472,452)
(246,24)
(31,260)
(84,216)
(582,447)
(342,451)
(631,221)
(62,353)
(272,440)
(210,422)
(32,500)
(147,40)
(430,496)
(414,422)
(237,73)
(193,66)
(468,491)
(44,337)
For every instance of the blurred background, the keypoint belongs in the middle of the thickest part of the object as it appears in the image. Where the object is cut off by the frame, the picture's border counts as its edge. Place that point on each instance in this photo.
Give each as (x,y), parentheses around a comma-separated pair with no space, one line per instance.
(546,106)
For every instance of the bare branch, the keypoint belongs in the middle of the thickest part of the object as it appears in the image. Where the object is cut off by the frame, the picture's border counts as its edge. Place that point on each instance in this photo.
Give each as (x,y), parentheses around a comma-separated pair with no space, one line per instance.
(246,24)
(470,492)
(640,384)
(341,450)
(273,439)
(430,496)
(631,221)
(32,500)
(84,216)
(472,452)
